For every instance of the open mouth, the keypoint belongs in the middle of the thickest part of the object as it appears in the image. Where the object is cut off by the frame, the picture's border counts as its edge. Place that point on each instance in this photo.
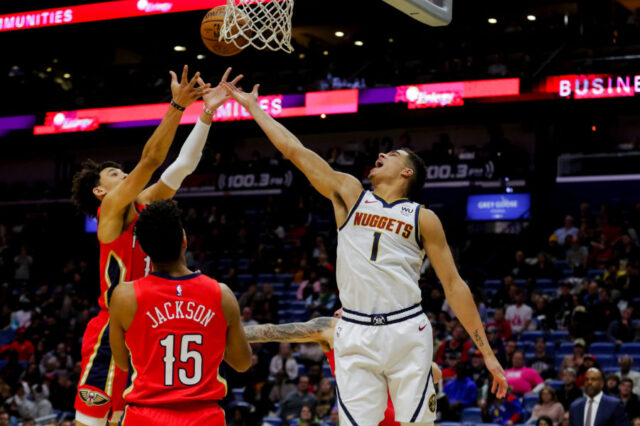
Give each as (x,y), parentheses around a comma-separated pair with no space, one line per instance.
(379,163)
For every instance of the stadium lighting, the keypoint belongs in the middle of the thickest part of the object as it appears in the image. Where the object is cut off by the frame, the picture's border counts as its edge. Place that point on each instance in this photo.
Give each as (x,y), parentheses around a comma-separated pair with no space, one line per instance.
(339,34)
(358,43)
(531,18)
(179,48)
(493,21)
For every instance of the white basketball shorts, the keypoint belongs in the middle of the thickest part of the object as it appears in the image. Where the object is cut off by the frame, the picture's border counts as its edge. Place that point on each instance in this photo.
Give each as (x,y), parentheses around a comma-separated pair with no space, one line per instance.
(376,353)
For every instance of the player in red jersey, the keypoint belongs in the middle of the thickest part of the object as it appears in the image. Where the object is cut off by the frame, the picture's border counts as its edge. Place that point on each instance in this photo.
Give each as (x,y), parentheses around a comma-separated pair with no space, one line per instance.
(118,198)
(321,331)
(173,328)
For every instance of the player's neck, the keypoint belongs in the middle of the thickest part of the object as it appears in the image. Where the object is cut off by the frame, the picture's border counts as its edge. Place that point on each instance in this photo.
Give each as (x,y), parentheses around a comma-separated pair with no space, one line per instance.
(176,268)
(389,192)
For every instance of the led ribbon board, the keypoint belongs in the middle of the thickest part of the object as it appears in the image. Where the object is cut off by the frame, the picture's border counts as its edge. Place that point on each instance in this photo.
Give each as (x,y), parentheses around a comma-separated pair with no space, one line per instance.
(100,12)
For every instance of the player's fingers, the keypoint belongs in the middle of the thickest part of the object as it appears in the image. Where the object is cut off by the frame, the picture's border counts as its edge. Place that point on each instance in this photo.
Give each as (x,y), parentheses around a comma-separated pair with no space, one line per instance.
(254,92)
(174,77)
(200,82)
(237,79)
(226,75)
(195,78)
(185,74)
(503,388)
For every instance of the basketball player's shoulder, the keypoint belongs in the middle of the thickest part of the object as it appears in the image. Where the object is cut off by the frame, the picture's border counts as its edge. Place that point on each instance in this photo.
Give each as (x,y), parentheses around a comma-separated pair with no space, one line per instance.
(429,220)
(124,296)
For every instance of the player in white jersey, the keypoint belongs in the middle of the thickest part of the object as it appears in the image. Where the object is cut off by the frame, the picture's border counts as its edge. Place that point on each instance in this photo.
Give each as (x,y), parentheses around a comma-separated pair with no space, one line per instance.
(383,340)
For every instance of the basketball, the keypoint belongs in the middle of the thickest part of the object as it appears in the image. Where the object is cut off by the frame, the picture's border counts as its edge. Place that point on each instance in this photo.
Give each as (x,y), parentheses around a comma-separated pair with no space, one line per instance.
(210,32)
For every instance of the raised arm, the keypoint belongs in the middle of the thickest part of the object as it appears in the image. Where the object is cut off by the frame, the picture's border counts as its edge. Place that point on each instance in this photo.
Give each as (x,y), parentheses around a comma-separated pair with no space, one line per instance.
(318,330)
(342,189)
(122,309)
(458,294)
(237,352)
(116,201)
(191,151)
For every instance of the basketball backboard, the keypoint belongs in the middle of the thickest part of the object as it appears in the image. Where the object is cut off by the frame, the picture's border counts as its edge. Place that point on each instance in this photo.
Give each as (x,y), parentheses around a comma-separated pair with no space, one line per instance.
(435,13)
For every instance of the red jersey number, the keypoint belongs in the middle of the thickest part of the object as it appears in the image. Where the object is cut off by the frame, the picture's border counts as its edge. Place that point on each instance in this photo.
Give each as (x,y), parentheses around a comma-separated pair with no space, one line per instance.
(185,355)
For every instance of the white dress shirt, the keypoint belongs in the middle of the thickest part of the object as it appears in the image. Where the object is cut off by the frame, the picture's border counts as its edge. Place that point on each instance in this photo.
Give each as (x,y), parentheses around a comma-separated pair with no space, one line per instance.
(594,408)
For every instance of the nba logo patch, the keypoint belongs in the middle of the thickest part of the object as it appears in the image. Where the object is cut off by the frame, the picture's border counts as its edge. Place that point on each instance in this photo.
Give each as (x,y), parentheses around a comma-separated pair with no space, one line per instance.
(179,290)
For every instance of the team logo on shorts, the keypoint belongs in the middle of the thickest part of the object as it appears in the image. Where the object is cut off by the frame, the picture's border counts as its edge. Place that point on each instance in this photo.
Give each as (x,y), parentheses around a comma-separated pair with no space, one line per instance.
(432,403)
(92,398)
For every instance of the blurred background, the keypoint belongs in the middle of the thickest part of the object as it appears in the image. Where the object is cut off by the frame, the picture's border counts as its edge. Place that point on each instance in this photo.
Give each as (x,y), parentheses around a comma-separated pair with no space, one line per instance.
(533,165)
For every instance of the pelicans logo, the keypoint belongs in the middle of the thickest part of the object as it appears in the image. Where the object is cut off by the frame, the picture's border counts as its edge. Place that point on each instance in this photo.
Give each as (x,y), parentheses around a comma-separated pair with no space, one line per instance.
(432,403)
(92,398)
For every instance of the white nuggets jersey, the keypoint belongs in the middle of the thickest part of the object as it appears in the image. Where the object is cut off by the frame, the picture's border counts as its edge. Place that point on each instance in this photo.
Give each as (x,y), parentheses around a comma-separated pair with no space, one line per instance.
(379,255)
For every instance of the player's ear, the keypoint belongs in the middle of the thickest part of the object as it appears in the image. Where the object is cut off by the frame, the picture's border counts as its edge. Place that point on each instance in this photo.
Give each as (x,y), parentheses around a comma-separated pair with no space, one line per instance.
(406,172)
(99,192)
(184,241)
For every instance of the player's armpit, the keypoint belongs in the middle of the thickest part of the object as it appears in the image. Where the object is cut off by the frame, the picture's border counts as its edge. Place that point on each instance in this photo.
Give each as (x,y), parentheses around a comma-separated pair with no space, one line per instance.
(157,191)
(237,350)
(122,309)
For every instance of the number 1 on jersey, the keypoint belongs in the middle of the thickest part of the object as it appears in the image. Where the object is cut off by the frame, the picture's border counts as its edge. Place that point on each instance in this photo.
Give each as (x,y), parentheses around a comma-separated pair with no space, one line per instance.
(374,248)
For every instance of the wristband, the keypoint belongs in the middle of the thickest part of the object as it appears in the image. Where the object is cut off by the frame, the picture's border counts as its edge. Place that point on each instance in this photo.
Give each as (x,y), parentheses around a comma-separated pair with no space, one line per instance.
(207,110)
(176,106)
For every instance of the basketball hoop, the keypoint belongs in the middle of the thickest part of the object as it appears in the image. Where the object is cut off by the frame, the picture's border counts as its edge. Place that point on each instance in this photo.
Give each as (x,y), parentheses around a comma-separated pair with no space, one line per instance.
(263,24)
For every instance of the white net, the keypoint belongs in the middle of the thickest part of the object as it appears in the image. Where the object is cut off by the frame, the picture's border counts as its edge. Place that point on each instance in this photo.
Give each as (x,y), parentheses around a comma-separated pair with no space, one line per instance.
(263,24)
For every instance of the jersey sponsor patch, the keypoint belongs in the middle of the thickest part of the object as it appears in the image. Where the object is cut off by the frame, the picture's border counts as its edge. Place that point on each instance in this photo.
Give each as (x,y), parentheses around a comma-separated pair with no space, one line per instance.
(433,403)
(92,398)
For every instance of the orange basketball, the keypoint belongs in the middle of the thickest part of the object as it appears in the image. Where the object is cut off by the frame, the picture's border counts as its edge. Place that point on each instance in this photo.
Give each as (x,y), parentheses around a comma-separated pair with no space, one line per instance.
(210,33)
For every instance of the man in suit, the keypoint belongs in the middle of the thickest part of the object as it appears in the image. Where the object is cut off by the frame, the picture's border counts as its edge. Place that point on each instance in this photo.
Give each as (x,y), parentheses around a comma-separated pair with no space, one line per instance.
(597,409)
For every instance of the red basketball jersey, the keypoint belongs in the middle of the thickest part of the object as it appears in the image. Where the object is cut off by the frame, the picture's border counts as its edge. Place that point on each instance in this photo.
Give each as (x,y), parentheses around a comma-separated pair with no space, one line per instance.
(389,414)
(177,340)
(121,260)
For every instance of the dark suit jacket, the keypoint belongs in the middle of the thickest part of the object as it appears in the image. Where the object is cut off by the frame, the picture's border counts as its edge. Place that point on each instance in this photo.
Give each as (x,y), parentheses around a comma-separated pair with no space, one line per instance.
(610,412)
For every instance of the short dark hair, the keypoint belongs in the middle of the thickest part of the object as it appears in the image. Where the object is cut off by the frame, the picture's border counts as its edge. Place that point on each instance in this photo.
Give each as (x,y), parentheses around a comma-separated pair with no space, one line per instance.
(160,232)
(84,181)
(416,182)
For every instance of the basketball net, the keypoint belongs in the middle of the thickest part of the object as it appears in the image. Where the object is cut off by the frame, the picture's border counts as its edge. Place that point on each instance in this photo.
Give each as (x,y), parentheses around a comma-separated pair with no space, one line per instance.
(263,24)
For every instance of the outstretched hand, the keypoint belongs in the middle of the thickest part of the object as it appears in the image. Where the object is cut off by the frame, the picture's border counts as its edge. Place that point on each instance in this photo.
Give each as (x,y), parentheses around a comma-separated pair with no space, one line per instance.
(184,92)
(218,95)
(499,385)
(245,99)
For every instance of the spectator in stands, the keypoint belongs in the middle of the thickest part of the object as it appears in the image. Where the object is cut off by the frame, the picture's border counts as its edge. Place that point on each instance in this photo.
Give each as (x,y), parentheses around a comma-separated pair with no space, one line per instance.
(635,422)
(458,343)
(604,311)
(266,305)
(284,362)
(520,378)
(577,257)
(629,399)
(23,348)
(601,254)
(507,411)
(477,372)
(502,326)
(307,417)
(334,417)
(544,421)
(519,314)
(451,359)
(569,392)
(542,315)
(326,398)
(509,349)
(504,293)
(310,285)
(322,303)
(626,362)
(548,405)
(5,420)
(461,392)
(589,361)
(281,388)
(541,362)
(63,393)
(544,268)
(575,360)
(292,404)
(496,343)
(622,330)
(247,317)
(23,262)
(611,384)
(567,229)
(520,268)
(247,298)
